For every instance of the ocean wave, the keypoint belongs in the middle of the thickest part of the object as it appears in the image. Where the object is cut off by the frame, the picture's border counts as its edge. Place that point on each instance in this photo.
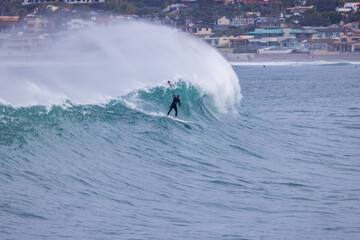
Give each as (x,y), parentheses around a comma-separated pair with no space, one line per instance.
(97,65)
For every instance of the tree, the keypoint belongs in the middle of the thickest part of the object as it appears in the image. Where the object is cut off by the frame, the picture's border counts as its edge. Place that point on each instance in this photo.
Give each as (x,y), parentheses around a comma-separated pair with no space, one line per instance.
(151,3)
(119,7)
(288,3)
(313,18)
(6,8)
(324,5)
(148,11)
(334,17)
(353,17)
(294,19)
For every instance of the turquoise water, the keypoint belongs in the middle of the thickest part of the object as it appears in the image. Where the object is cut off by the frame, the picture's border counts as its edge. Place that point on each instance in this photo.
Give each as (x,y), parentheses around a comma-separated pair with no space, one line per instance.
(284,166)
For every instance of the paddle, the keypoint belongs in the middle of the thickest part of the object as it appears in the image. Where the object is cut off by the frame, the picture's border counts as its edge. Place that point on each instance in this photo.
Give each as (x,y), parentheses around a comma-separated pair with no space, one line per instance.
(171,87)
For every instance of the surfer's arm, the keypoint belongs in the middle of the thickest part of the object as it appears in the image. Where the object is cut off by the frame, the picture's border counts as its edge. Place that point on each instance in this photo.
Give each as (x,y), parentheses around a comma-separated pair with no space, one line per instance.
(179,104)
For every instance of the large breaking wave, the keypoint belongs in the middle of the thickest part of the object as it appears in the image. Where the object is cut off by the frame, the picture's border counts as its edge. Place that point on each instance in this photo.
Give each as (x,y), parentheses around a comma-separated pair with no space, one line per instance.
(100,64)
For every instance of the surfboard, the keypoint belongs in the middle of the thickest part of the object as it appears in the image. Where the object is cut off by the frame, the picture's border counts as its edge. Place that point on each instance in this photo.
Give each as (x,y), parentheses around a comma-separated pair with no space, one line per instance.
(179,120)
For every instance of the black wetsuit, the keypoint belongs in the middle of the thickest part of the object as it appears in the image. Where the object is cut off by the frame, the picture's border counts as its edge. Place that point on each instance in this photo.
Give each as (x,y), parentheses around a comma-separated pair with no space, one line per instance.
(173,105)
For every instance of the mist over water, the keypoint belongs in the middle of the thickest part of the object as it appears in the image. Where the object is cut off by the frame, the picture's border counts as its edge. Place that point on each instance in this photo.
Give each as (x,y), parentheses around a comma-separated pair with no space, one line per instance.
(99,64)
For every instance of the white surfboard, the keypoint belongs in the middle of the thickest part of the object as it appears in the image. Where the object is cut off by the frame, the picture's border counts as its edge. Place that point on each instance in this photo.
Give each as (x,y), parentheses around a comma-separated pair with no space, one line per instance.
(179,120)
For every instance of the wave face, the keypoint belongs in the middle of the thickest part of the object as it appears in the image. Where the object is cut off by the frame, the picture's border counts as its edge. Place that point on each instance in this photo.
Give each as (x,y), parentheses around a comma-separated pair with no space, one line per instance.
(285,163)
(100,64)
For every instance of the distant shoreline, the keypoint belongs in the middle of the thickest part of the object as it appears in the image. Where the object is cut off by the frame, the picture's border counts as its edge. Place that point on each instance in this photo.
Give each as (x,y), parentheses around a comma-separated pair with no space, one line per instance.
(250,58)
(257,58)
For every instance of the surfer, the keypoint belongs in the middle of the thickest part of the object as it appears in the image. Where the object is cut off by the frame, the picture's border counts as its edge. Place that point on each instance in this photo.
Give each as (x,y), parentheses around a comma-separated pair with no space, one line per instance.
(173,105)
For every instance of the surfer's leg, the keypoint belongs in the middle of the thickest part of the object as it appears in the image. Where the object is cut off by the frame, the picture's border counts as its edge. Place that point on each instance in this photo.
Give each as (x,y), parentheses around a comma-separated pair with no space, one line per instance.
(175,111)
(170,110)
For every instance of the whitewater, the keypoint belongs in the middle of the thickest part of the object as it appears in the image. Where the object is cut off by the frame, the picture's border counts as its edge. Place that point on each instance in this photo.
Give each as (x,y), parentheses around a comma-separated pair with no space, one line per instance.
(86,151)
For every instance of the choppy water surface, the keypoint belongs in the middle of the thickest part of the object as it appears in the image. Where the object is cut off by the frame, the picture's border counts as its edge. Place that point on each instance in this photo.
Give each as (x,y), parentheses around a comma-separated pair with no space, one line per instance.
(284,166)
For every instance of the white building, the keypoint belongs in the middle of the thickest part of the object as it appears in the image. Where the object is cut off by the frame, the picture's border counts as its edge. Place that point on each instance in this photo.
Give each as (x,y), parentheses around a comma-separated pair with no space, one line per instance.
(84,1)
(224,21)
(79,24)
(355,6)
(348,7)
(25,2)
(242,21)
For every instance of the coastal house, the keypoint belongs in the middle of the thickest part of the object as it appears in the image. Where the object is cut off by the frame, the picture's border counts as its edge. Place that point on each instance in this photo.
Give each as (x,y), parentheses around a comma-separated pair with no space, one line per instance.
(353,27)
(39,25)
(299,33)
(269,22)
(354,6)
(240,21)
(349,7)
(75,24)
(292,43)
(52,8)
(219,42)
(212,41)
(253,14)
(240,41)
(329,33)
(226,2)
(282,33)
(356,39)
(25,2)
(220,27)
(175,8)
(169,21)
(22,42)
(347,43)
(84,1)
(8,22)
(275,37)
(223,21)
(260,2)
(319,44)
(265,37)
(343,10)
(198,30)
(266,33)
(110,21)
(189,3)
(297,10)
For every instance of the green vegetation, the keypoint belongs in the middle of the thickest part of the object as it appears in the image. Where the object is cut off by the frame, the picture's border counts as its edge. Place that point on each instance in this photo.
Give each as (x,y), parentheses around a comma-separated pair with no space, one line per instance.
(325,5)
(352,17)
(8,8)
(333,17)
(207,12)
(117,7)
(313,18)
